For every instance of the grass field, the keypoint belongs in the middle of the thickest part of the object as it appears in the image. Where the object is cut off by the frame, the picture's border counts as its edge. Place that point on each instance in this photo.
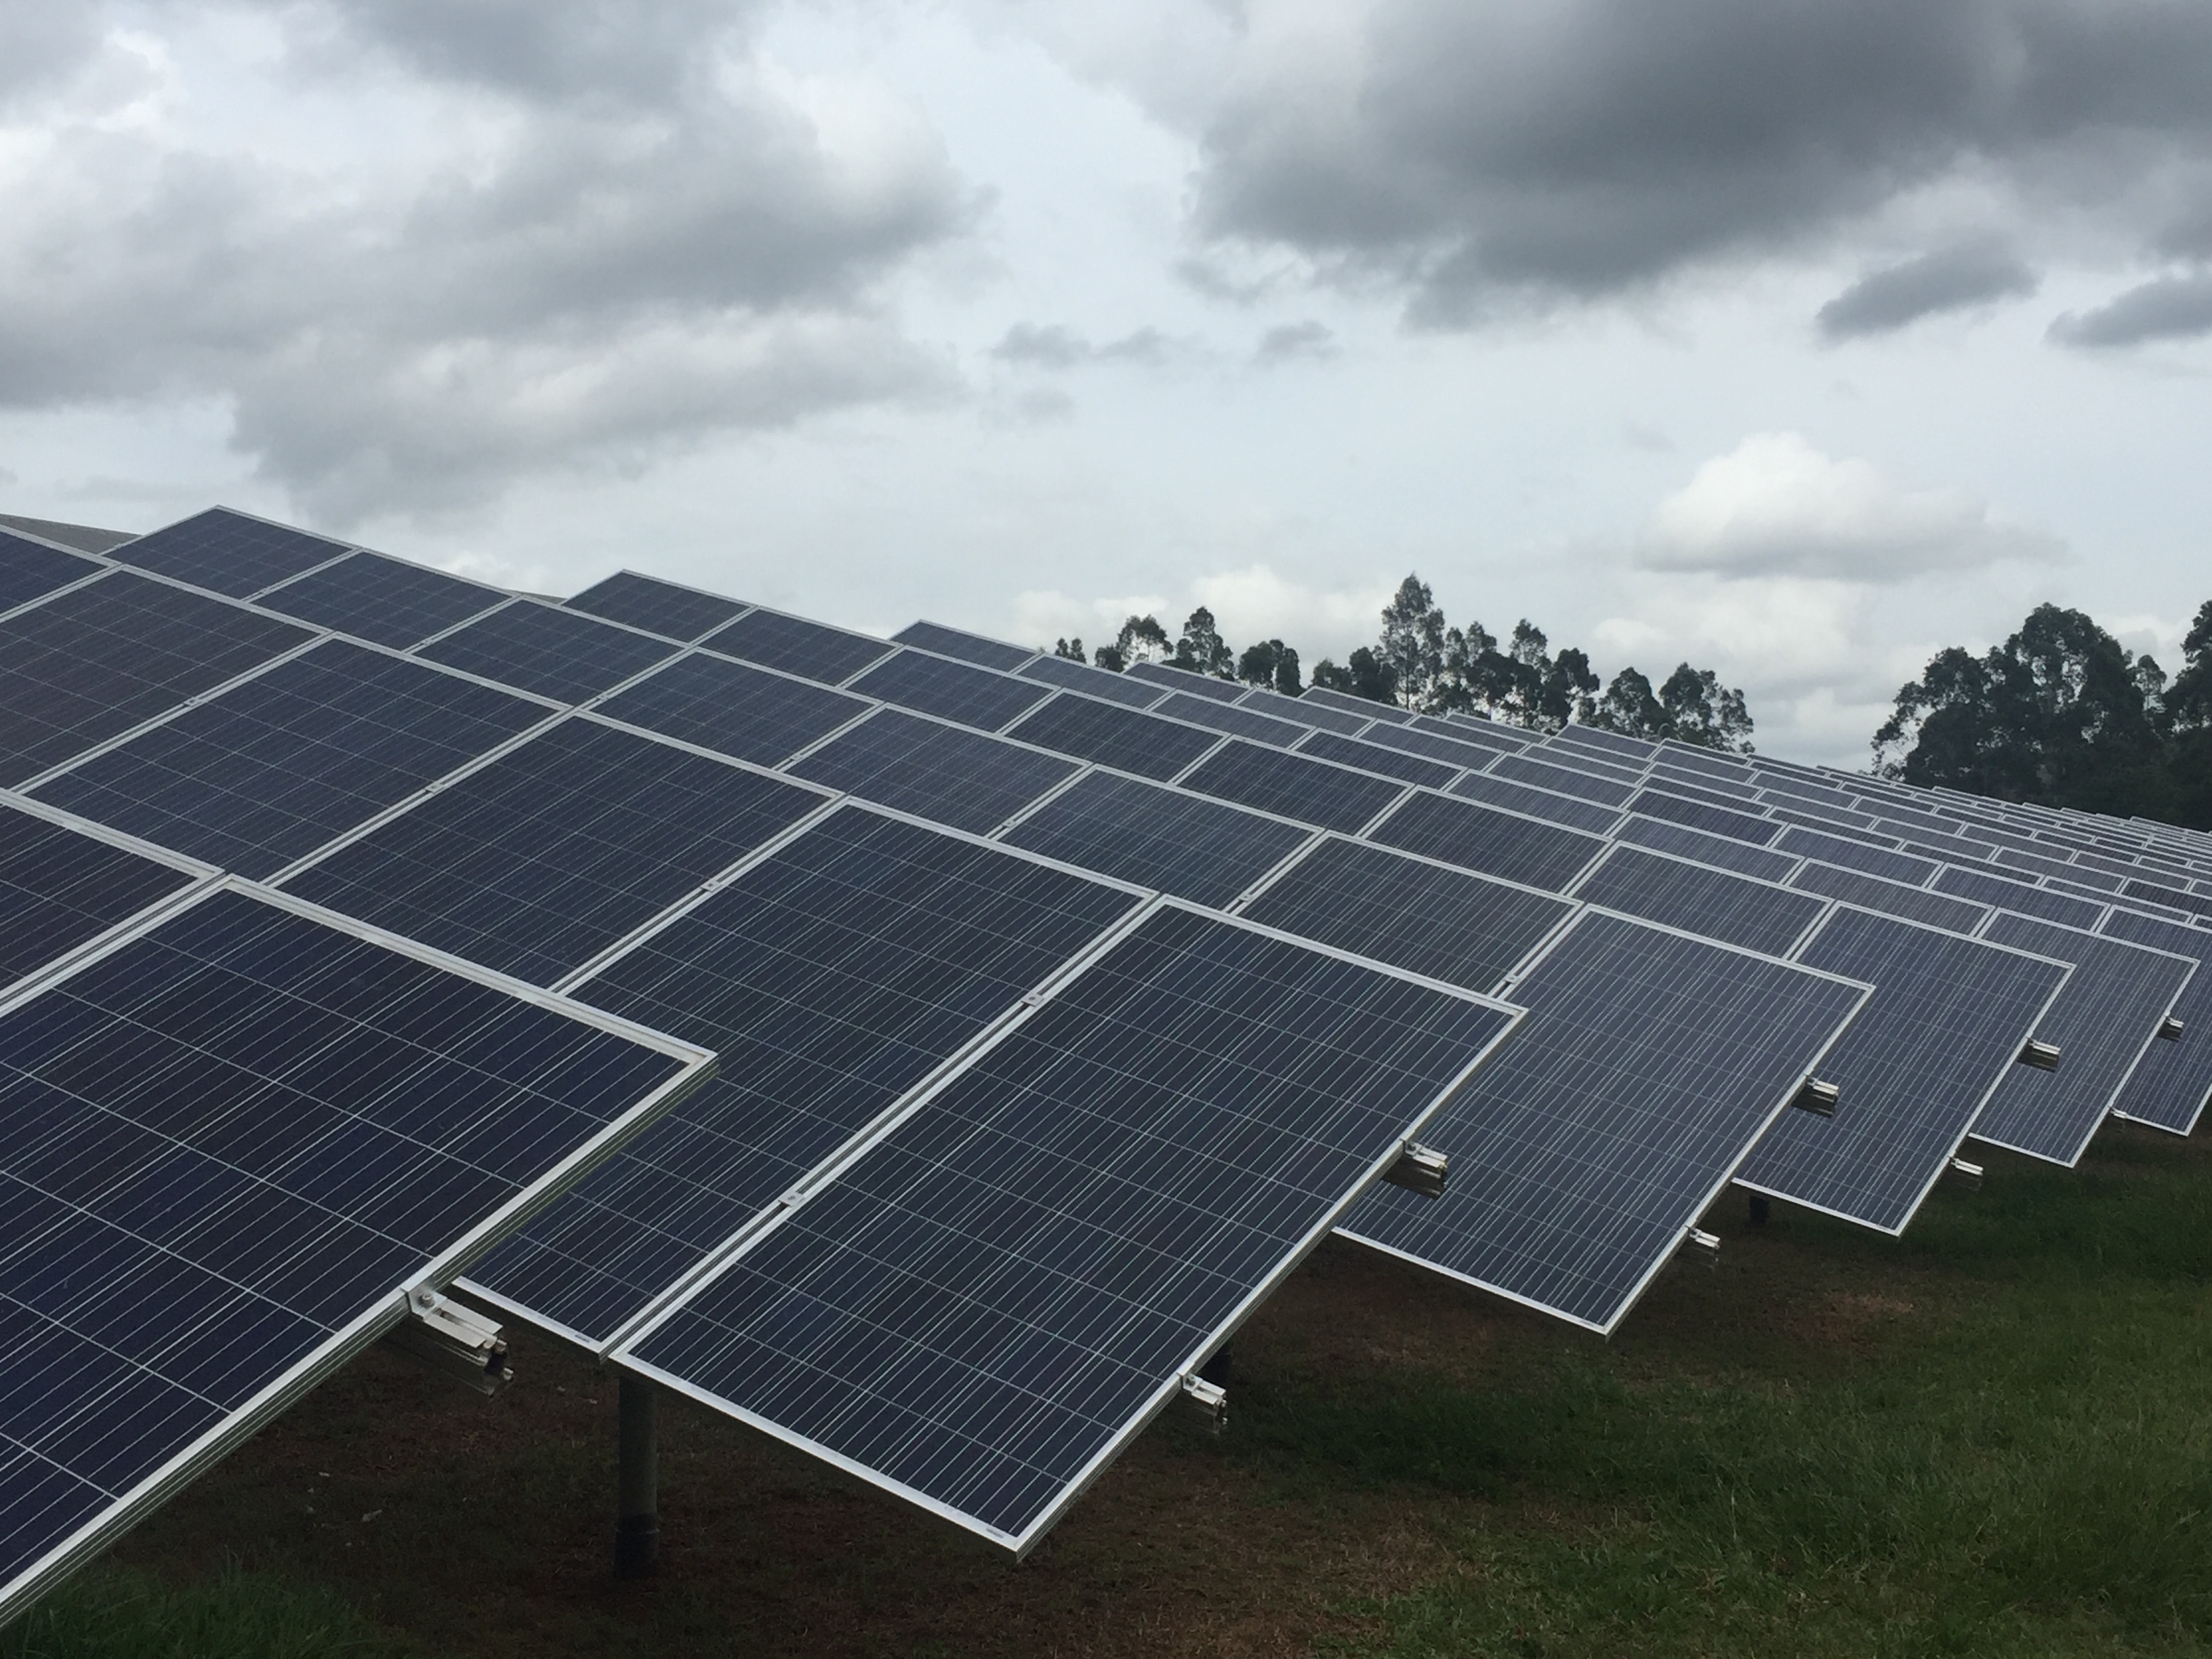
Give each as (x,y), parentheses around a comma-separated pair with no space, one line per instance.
(1994,1437)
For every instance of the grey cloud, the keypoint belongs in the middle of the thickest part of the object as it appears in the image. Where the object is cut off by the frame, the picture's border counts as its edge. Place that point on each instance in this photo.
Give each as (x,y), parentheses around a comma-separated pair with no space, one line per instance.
(1055,346)
(1290,343)
(2170,308)
(41,41)
(1949,279)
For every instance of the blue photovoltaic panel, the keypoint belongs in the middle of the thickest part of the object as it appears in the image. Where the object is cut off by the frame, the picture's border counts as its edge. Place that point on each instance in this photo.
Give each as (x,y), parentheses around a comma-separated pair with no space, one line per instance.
(1451,750)
(980,1310)
(2121,902)
(97,660)
(1890,897)
(1610,745)
(658,607)
(2159,893)
(388,601)
(733,708)
(2168,1087)
(2018,897)
(1948,1020)
(1526,768)
(1782,790)
(1182,679)
(1389,714)
(798,647)
(830,978)
(1305,711)
(1851,855)
(562,655)
(1943,852)
(1479,730)
(273,768)
(234,1143)
(1698,899)
(1581,762)
(1238,721)
(227,552)
(1460,928)
(942,772)
(28,568)
(1714,820)
(2035,865)
(956,691)
(1717,850)
(1537,803)
(1649,1064)
(2102,1020)
(1293,786)
(1717,769)
(542,858)
(1158,837)
(59,888)
(1120,738)
(1373,757)
(1093,681)
(968,647)
(1826,819)
(1545,855)
(1700,791)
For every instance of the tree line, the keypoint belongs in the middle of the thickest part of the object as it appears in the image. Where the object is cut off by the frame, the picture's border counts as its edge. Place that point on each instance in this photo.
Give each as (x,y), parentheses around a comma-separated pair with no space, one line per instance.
(2061,715)
(1422,662)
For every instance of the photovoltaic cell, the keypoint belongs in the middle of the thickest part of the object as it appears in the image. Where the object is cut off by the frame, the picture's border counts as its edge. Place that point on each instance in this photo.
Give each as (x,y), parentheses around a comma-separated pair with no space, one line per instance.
(1304,711)
(956,691)
(798,647)
(1454,751)
(1525,768)
(1855,855)
(1158,837)
(2159,893)
(97,660)
(2168,1087)
(2121,902)
(2017,897)
(1717,769)
(1890,897)
(1698,899)
(1119,738)
(1463,929)
(28,568)
(271,769)
(733,708)
(943,773)
(1470,728)
(226,552)
(388,601)
(1673,783)
(1719,851)
(545,856)
(980,1310)
(562,655)
(2036,864)
(1238,721)
(830,978)
(1580,763)
(1310,791)
(968,647)
(1093,681)
(1612,745)
(658,607)
(1473,837)
(1826,819)
(1649,1064)
(1948,1020)
(1373,757)
(1322,697)
(1537,803)
(234,1143)
(1183,680)
(60,887)
(1714,820)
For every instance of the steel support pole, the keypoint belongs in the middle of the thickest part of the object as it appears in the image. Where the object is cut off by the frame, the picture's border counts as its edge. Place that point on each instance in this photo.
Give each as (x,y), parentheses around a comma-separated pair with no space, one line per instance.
(637,1482)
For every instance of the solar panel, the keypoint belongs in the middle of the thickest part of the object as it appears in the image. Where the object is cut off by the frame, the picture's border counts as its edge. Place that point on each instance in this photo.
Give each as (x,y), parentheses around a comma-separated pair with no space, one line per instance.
(956,691)
(1388,713)
(2168,1087)
(1698,899)
(1373,757)
(1237,721)
(1582,763)
(1714,820)
(980,1311)
(1186,681)
(1890,897)
(1613,745)
(227,552)
(272,769)
(97,660)
(733,708)
(1856,855)
(28,569)
(968,647)
(1683,842)
(1545,855)
(562,655)
(237,1141)
(1428,918)
(832,977)
(544,856)
(1649,1064)
(1475,729)
(1303,710)
(1683,757)
(79,537)
(1672,781)
(385,600)
(2101,1022)
(2036,864)
(659,607)
(2121,902)
(1453,751)
(1523,768)
(1158,837)
(2017,897)
(1120,738)
(943,773)
(1947,1021)
(1092,681)
(2159,893)
(798,647)
(61,888)
(1310,791)
(1826,819)
(1537,803)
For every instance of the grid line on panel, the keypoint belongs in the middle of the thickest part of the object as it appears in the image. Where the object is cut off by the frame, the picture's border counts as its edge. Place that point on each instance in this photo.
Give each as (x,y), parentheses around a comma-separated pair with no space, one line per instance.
(812,650)
(30,570)
(1110,735)
(947,774)
(1158,837)
(2018,897)
(1853,855)
(1561,780)
(1714,820)
(388,602)
(1102,682)
(956,691)
(1955,915)
(1235,720)
(732,707)
(227,552)
(1493,844)
(1292,786)
(674,612)
(1698,899)
(1537,803)
(562,655)
(968,647)
(1374,757)
(60,887)
(1262,700)
(1663,836)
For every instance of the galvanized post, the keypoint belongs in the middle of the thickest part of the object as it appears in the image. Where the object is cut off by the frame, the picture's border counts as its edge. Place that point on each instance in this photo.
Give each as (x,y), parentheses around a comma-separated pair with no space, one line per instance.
(637,1482)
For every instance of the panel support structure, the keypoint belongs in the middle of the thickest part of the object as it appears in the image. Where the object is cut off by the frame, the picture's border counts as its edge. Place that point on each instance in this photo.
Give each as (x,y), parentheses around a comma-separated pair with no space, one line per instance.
(637,1481)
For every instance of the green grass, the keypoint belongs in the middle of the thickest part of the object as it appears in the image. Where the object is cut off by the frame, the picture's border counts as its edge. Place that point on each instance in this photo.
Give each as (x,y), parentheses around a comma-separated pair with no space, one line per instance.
(112,1612)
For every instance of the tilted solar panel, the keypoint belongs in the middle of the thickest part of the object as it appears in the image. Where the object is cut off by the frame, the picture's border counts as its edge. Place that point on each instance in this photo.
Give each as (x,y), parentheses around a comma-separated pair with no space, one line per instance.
(1237,721)
(1698,899)
(1453,750)
(1679,839)
(1305,711)
(1171,679)
(798,647)
(1112,736)
(1538,803)
(956,691)
(1545,855)
(386,601)
(1714,820)
(227,552)
(562,655)
(1483,732)
(1527,768)
(1293,786)
(1158,837)
(1613,745)
(1373,757)
(1890,897)
(29,569)
(659,607)
(60,887)
(968,647)
(732,707)
(1093,681)
(2018,897)
(2169,1085)
(1856,855)
(1584,762)
(945,772)
(1322,697)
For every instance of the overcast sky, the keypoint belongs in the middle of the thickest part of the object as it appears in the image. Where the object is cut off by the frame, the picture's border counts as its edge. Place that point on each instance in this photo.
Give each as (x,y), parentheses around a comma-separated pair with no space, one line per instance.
(1798,340)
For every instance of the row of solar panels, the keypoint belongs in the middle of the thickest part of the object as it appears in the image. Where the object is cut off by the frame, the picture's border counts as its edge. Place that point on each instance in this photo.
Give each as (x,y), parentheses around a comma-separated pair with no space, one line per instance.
(803,1242)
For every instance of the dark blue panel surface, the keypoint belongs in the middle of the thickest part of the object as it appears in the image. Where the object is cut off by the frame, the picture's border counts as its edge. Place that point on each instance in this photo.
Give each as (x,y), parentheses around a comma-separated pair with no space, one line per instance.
(96,660)
(2161,893)
(2033,864)
(1823,818)
(831,978)
(1453,750)
(1545,855)
(1237,721)
(227,552)
(942,772)
(1714,820)
(1093,681)
(1717,850)
(810,649)
(1719,770)
(2017,897)
(1115,737)
(1460,928)
(1158,837)
(1527,768)
(1493,735)
(1373,757)
(733,708)
(385,600)
(2170,1084)
(1648,1067)
(1851,855)
(957,691)
(59,888)
(1389,712)
(1305,711)
(273,768)
(658,607)
(1698,899)
(233,1144)
(1609,746)
(1310,791)
(1891,898)
(1948,1020)
(562,655)
(968,647)
(28,568)
(544,857)
(1576,757)
(1537,803)
(979,1309)
(1172,678)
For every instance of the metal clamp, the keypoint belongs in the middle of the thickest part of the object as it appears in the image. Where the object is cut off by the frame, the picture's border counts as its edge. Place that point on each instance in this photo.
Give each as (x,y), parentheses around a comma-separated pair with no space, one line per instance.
(1706,1245)
(1420,1170)
(445,1336)
(2170,1029)
(2044,1056)
(1818,1096)
(1210,1398)
(1964,1174)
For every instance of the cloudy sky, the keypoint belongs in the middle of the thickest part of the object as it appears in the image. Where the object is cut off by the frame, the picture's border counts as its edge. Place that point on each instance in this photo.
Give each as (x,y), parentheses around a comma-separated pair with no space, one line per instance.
(1798,339)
